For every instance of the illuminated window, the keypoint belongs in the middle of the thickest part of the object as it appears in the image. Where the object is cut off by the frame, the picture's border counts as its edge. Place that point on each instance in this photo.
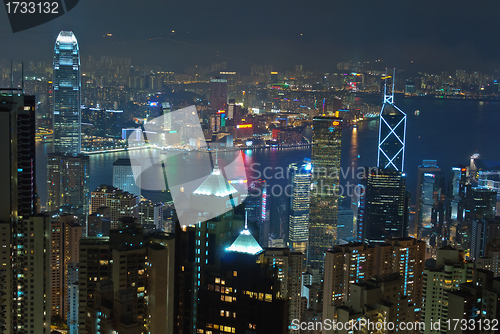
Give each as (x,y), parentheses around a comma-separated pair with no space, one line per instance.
(217,280)
(269,297)
(235,273)
(221,313)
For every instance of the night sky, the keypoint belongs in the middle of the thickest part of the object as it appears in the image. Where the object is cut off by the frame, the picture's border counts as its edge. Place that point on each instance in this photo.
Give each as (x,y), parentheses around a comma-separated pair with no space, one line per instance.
(435,35)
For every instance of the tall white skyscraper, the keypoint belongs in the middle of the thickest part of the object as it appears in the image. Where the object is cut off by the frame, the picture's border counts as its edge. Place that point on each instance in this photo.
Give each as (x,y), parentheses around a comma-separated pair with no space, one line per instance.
(67,101)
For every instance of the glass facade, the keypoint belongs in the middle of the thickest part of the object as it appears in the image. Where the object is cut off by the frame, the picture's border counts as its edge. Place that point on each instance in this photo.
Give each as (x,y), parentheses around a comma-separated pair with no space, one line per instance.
(298,226)
(384,206)
(325,161)
(67,87)
(392,136)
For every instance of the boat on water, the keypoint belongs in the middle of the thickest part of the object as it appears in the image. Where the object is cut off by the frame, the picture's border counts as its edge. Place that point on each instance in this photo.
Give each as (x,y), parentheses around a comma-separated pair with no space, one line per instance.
(417,112)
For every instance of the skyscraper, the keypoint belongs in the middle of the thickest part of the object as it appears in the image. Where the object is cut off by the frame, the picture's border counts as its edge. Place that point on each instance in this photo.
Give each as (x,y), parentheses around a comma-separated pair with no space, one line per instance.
(392,133)
(68,183)
(383,209)
(325,162)
(429,199)
(123,177)
(17,147)
(298,224)
(218,94)
(65,237)
(67,85)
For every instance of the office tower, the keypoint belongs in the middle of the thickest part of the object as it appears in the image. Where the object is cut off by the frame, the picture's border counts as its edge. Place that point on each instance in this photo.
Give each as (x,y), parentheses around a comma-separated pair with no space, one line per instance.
(30,296)
(481,204)
(65,237)
(345,265)
(345,225)
(288,267)
(242,293)
(428,193)
(392,133)
(382,213)
(68,184)
(210,240)
(73,299)
(218,94)
(120,203)
(488,177)
(459,179)
(17,142)
(377,301)
(298,224)
(325,161)
(450,271)
(484,233)
(234,111)
(123,176)
(67,101)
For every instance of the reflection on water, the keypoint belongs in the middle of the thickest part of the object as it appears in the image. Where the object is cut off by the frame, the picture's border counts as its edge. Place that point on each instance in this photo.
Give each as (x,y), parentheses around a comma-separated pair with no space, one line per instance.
(447,131)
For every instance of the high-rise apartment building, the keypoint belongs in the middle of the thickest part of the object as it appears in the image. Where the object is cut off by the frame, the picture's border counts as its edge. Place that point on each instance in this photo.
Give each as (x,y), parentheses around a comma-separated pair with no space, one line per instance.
(298,223)
(30,294)
(65,239)
(67,116)
(405,256)
(17,146)
(324,204)
(345,265)
(120,203)
(450,271)
(288,267)
(24,239)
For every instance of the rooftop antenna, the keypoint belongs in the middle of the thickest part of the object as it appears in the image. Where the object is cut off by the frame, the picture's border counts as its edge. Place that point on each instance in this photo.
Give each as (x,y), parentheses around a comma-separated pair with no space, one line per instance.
(216,158)
(246,220)
(389,98)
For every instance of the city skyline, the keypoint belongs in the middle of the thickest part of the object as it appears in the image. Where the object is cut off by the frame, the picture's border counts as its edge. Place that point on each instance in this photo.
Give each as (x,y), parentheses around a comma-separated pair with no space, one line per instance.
(191,36)
(135,225)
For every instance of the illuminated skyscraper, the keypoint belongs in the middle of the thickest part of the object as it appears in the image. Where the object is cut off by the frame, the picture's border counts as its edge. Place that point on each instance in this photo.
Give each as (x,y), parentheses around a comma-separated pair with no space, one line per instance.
(218,94)
(298,224)
(383,207)
(325,161)
(67,85)
(67,183)
(392,133)
(123,177)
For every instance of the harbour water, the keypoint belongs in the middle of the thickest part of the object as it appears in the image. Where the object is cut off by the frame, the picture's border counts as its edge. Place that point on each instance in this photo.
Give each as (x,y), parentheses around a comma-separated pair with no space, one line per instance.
(448,131)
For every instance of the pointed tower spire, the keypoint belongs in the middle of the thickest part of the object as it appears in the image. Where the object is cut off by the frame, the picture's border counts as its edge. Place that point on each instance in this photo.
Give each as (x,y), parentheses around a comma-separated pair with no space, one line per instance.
(246,220)
(216,158)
